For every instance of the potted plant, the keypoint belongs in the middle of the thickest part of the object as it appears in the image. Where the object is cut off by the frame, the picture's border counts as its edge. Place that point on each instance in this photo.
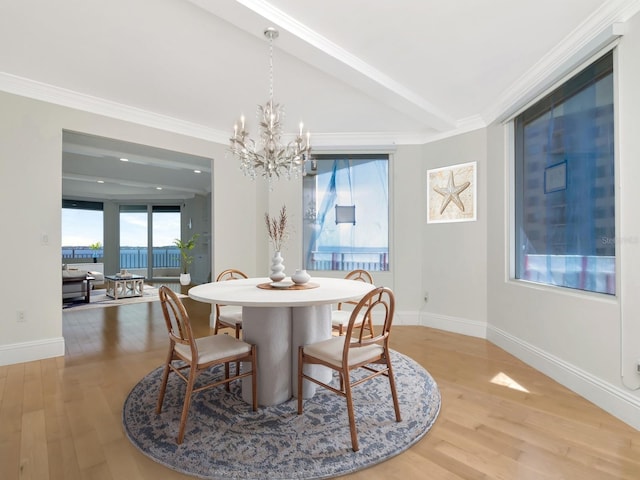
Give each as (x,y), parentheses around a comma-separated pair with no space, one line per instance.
(95,247)
(187,258)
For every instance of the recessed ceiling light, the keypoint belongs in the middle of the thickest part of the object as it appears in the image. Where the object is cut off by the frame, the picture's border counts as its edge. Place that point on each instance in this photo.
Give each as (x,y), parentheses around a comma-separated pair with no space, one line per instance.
(197,171)
(124,159)
(100,181)
(158,188)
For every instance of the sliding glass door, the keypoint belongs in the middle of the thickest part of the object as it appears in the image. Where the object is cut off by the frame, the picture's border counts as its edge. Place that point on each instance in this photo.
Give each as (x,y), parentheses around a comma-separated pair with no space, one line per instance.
(165,228)
(147,233)
(134,239)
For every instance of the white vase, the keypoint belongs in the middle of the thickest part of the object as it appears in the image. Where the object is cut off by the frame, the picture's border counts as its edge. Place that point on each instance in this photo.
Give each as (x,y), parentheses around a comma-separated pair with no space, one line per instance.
(185,278)
(277,268)
(300,277)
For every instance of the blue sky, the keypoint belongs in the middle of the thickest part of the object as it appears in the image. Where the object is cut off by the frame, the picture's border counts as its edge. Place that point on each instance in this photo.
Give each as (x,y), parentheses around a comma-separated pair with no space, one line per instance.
(84,227)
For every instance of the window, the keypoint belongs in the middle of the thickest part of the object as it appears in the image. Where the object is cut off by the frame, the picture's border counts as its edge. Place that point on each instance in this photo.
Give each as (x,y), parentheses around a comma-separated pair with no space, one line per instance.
(82,228)
(564,190)
(346,213)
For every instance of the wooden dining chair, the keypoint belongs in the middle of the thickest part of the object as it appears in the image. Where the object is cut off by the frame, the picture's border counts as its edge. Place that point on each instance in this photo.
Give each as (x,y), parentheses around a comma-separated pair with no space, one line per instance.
(199,354)
(345,354)
(229,316)
(340,317)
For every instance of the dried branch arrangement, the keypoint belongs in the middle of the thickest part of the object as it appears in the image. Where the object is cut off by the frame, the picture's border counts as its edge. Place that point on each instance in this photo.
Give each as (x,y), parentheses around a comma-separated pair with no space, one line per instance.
(277,228)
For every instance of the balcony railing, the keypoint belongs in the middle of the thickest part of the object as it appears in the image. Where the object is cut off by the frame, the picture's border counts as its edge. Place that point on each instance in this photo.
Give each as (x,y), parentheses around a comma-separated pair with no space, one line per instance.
(130,258)
(168,257)
(584,272)
(347,261)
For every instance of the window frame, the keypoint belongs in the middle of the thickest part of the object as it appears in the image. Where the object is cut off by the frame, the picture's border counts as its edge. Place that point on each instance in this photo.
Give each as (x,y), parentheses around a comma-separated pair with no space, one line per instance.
(591,71)
(360,155)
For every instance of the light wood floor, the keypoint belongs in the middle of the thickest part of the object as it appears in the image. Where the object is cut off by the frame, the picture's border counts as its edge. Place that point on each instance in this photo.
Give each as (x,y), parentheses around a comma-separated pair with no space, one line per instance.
(61,418)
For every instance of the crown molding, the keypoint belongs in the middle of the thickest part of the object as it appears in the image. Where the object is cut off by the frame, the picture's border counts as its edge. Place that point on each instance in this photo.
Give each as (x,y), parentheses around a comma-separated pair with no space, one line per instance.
(67,98)
(600,30)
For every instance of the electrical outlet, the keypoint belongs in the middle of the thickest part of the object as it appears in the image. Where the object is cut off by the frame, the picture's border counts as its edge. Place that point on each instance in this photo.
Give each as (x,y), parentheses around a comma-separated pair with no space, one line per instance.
(21,316)
(638,365)
(426,297)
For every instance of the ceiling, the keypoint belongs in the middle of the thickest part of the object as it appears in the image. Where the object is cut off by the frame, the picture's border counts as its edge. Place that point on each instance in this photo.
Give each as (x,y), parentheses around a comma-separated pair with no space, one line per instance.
(95,167)
(357,72)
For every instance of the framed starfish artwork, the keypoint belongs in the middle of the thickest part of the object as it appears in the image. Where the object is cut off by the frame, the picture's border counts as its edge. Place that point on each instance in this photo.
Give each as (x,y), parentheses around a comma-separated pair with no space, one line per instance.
(451,193)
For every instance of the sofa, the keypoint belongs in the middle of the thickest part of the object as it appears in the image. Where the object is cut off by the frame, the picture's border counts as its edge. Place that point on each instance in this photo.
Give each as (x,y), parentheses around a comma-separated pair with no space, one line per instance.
(73,289)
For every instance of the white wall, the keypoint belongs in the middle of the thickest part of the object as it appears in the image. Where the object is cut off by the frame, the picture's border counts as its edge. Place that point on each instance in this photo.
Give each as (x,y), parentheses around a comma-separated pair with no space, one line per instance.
(628,244)
(454,261)
(30,195)
(588,342)
(234,216)
(407,193)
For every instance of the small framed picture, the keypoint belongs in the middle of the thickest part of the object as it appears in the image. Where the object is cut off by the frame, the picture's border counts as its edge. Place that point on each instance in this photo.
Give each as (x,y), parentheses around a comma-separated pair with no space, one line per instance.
(451,193)
(346,214)
(555,177)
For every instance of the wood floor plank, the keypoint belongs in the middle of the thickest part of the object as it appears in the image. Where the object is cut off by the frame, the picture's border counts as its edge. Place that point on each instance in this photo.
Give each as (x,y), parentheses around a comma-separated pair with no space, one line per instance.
(106,423)
(63,463)
(32,387)
(11,421)
(121,460)
(34,464)
(4,369)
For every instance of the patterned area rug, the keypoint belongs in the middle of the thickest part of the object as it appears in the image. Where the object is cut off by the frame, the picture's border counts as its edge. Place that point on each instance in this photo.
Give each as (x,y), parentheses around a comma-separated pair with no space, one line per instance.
(224,439)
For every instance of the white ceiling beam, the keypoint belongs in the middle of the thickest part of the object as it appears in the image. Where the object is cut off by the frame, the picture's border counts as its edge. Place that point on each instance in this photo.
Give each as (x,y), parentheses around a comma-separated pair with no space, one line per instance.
(253,16)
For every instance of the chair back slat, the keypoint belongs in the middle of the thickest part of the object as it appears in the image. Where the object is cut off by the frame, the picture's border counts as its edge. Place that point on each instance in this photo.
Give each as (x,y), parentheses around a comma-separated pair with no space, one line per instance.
(177,319)
(228,274)
(380,300)
(360,276)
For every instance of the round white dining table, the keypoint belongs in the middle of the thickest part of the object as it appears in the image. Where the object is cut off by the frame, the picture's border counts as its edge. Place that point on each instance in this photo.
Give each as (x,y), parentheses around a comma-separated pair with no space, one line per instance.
(278,321)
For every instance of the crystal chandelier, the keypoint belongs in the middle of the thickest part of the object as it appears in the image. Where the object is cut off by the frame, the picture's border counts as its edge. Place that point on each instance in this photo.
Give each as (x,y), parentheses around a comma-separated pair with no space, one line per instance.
(270,158)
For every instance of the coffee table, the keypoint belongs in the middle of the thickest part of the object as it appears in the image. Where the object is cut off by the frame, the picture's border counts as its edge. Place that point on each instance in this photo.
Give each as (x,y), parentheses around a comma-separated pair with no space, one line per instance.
(124,286)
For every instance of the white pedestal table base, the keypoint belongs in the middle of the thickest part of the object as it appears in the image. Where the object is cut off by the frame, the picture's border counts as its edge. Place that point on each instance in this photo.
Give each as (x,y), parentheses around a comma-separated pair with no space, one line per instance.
(277,333)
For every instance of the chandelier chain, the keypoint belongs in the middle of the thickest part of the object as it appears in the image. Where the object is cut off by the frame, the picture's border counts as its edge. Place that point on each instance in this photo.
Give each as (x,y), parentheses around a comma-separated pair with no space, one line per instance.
(271,68)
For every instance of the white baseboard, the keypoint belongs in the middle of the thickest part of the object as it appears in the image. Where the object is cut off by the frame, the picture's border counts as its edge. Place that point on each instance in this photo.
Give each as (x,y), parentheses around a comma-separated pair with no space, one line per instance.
(614,400)
(403,318)
(441,322)
(459,325)
(30,351)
